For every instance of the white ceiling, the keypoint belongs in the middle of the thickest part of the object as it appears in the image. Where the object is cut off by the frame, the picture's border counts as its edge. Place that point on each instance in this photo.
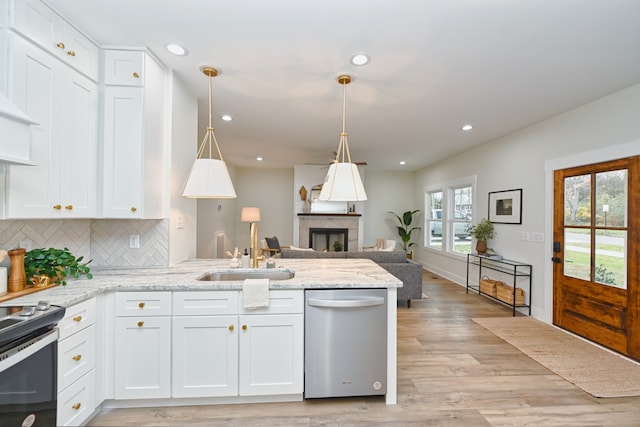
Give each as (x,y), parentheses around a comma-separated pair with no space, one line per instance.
(499,65)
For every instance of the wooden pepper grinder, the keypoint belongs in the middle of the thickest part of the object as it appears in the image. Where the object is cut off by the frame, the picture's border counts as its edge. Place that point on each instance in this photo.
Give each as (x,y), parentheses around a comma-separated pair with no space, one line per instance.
(17,277)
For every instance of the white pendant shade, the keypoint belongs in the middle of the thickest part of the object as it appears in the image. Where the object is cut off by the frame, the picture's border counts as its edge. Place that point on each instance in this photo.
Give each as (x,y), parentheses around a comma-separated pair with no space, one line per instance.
(209,179)
(343,184)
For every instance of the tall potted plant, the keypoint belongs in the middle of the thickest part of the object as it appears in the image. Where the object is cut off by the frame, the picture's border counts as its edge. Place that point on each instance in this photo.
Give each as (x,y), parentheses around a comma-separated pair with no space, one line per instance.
(482,232)
(405,229)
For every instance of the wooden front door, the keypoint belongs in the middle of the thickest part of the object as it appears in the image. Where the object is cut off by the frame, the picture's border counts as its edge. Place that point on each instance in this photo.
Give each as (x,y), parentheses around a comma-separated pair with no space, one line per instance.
(596,244)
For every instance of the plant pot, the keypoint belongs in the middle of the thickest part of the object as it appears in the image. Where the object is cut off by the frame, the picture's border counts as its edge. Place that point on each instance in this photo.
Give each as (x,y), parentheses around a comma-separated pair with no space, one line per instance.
(409,255)
(481,246)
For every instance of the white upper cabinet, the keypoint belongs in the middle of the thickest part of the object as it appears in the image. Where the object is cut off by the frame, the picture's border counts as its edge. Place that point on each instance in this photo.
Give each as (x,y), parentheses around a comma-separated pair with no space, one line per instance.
(42,25)
(135,168)
(64,103)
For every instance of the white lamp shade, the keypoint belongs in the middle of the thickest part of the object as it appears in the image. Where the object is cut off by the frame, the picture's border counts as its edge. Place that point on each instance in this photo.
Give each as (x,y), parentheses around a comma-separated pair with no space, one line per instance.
(209,179)
(343,184)
(250,215)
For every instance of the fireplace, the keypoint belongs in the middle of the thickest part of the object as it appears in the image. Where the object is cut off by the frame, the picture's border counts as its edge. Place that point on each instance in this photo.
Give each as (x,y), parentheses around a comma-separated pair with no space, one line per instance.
(322,239)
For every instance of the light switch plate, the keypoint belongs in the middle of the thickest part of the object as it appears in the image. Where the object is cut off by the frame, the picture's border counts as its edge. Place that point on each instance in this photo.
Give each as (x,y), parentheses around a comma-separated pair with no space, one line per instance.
(134,241)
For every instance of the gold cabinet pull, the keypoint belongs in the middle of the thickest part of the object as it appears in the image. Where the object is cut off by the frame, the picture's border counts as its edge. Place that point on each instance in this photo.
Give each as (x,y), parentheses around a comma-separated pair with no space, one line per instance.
(244,327)
(77,319)
(77,357)
(231,327)
(76,406)
(141,305)
(71,53)
(57,207)
(69,207)
(136,75)
(134,209)
(140,324)
(60,45)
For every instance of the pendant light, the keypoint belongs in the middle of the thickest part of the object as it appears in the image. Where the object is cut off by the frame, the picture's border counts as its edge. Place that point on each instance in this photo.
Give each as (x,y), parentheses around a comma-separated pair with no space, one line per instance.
(343,183)
(209,177)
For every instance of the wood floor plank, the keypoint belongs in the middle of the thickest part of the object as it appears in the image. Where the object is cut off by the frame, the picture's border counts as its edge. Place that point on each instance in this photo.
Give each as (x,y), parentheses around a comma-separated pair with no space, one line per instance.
(451,373)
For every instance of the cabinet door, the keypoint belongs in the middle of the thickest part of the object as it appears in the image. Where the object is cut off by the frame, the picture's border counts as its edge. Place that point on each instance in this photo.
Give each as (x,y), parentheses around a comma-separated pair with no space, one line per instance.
(123,144)
(123,67)
(142,357)
(34,191)
(205,356)
(271,354)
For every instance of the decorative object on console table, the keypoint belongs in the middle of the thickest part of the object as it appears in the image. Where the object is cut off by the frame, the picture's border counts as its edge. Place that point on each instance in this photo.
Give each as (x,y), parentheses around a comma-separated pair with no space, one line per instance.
(482,232)
(405,229)
(505,207)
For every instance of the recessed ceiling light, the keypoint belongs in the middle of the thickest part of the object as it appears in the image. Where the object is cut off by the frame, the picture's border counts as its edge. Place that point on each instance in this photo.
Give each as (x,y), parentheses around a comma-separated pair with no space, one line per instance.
(360,59)
(466,127)
(403,163)
(226,117)
(177,50)
(259,159)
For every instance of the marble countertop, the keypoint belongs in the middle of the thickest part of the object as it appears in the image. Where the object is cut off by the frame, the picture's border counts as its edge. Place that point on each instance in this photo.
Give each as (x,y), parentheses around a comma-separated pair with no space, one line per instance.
(309,273)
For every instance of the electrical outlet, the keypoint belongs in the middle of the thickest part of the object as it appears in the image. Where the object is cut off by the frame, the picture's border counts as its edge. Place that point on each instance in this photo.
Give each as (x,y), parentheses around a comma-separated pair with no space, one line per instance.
(134,241)
(180,222)
(524,236)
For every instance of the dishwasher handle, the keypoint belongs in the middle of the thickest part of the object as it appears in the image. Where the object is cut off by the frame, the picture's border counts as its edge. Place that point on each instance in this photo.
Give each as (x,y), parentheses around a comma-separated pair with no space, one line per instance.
(346,303)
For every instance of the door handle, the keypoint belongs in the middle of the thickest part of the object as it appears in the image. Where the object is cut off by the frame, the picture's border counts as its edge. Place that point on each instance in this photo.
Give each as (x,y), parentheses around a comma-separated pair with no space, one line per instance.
(556,260)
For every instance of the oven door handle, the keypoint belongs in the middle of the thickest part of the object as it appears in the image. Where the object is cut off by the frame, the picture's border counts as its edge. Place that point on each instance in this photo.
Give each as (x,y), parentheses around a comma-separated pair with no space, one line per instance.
(18,354)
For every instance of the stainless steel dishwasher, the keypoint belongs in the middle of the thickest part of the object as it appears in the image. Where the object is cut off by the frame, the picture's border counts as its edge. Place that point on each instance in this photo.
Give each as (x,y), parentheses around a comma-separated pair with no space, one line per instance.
(345,342)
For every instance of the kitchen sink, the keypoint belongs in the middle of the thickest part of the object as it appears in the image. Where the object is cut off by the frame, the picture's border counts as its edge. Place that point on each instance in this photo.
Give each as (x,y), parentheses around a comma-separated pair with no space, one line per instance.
(227,275)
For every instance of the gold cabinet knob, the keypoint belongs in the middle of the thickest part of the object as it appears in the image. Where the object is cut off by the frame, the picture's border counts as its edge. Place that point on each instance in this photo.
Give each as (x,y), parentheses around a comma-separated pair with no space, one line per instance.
(57,207)
(69,207)
(244,327)
(71,53)
(134,209)
(77,319)
(140,324)
(60,45)
(136,75)
(231,327)
(141,305)
(76,406)
(77,357)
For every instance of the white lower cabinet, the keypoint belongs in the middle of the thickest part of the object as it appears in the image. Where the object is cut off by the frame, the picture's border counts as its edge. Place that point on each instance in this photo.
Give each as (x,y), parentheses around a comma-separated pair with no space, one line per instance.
(76,364)
(217,351)
(142,345)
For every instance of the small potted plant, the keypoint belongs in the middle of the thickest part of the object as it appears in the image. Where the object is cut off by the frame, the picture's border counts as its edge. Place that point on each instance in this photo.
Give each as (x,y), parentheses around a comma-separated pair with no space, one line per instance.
(482,232)
(57,264)
(405,229)
(337,246)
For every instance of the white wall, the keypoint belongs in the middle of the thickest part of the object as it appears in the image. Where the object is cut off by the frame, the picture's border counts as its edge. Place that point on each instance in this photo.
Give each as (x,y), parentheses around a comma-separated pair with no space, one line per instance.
(518,161)
(183,133)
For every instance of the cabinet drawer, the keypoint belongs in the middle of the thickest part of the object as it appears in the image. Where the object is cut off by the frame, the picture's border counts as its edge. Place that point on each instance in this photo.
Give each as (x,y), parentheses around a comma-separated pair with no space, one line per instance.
(76,403)
(124,67)
(76,357)
(143,303)
(280,302)
(77,317)
(205,303)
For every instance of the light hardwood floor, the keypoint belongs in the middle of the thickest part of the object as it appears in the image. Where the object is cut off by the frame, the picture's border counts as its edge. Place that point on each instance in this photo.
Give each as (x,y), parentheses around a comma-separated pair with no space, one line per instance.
(451,372)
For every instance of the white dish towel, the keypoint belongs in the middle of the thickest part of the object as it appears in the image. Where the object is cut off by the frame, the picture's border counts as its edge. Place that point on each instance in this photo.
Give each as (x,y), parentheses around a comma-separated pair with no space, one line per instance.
(255,293)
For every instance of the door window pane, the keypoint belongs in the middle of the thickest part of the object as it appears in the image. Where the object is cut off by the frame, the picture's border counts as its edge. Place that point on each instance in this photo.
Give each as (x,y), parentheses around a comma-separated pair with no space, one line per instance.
(611,199)
(577,253)
(577,200)
(610,258)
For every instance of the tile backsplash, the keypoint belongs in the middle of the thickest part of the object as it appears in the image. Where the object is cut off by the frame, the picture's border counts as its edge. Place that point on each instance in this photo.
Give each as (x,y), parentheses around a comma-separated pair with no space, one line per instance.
(105,241)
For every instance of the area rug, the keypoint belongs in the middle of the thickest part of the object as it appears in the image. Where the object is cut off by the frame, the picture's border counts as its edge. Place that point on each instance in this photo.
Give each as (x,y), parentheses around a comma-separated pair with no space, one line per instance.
(597,371)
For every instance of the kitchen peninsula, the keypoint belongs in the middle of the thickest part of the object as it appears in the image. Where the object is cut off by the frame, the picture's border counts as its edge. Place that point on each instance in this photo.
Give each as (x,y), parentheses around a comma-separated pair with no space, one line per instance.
(163,366)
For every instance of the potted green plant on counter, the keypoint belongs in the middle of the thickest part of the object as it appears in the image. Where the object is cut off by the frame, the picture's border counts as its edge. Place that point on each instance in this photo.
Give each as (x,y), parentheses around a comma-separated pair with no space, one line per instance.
(57,264)
(482,232)
(405,229)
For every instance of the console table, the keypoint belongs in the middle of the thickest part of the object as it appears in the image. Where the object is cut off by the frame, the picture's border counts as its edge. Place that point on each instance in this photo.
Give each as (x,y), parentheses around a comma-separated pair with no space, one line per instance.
(515,269)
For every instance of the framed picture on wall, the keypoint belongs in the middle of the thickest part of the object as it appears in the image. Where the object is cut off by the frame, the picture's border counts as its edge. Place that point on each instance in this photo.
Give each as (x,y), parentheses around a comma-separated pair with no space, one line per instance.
(505,207)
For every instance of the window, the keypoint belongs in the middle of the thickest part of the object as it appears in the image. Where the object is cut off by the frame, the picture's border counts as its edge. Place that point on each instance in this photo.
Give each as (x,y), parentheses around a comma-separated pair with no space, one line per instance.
(449,210)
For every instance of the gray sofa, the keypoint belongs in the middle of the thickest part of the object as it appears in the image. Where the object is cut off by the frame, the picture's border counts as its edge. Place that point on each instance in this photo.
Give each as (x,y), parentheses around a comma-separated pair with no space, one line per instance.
(395,262)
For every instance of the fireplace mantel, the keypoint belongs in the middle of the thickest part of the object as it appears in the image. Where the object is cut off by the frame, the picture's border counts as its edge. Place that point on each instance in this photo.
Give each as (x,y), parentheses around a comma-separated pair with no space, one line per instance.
(329,214)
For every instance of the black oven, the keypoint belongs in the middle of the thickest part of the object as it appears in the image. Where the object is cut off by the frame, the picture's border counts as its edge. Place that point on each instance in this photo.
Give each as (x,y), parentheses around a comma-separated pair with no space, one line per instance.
(28,365)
